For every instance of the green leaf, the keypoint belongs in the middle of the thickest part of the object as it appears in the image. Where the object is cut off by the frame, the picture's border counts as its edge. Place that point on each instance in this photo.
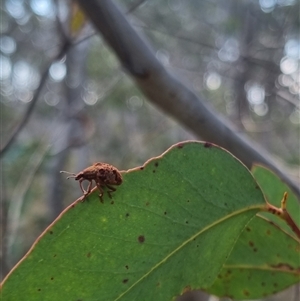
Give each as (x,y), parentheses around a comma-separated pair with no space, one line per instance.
(169,228)
(274,189)
(264,261)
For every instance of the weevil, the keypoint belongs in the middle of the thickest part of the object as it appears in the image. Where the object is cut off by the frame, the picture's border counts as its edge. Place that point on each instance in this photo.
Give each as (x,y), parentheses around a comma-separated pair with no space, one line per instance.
(104,175)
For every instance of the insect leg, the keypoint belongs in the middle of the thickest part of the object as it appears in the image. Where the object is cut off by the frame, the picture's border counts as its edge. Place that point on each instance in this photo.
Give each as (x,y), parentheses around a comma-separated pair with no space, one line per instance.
(89,188)
(112,189)
(101,191)
(81,187)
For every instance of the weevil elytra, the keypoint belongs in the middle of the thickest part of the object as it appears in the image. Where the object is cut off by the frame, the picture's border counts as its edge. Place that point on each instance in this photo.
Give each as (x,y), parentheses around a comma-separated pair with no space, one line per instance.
(104,175)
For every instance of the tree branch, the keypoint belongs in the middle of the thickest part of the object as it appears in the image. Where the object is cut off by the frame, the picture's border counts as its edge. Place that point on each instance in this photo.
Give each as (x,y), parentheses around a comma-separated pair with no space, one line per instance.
(167,92)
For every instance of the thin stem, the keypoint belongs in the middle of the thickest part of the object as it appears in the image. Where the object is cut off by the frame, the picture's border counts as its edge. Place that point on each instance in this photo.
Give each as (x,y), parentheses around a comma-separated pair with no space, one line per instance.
(32,104)
(284,214)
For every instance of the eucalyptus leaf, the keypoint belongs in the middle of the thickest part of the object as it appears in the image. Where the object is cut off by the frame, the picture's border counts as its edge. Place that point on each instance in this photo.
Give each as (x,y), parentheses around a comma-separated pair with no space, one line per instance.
(170,227)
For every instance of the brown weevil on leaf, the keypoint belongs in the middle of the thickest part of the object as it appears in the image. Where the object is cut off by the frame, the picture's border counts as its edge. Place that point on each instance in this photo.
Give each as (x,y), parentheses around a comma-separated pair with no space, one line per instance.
(104,175)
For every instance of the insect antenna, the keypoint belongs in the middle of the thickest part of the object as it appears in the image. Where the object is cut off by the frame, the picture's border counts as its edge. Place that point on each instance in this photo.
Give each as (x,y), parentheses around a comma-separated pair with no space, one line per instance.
(72,175)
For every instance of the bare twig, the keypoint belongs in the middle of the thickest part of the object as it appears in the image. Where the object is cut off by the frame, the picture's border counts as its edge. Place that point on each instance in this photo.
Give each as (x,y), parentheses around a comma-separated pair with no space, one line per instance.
(32,104)
(167,92)
(262,63)
(135,6)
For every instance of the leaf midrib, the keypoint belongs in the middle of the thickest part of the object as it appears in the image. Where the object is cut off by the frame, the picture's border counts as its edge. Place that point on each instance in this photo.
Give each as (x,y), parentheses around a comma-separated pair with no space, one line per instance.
(255,207)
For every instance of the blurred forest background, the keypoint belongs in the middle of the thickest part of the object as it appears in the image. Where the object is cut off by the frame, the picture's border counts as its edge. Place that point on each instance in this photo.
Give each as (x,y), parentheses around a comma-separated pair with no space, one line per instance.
(70,102)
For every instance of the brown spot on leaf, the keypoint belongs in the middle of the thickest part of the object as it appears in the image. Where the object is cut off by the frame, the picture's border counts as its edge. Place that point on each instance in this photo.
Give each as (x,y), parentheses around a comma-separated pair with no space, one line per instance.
(186,289)
(52,278)
(268,232)
(125,280)
(73,206)
(165,213)
(284,267)
(127,267)
(207,145)
(246,293)
(220,276)
(180,145)
(127,214)
(54,255)
(141,238)
(156,164)
(88,255)
(147,203)
(153,170)
(254,249)
(51,232)
(39,289)
(142,167)
(248,229)
(112,202)
(251,244)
